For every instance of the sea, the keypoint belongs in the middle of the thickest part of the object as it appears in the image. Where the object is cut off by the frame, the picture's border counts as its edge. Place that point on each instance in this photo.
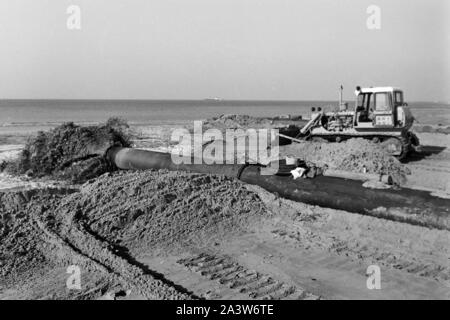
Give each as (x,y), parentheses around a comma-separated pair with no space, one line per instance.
(27,116)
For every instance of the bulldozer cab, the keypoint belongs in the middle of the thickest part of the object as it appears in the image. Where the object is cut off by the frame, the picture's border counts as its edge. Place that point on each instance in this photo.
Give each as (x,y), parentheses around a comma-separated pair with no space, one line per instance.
(378,107)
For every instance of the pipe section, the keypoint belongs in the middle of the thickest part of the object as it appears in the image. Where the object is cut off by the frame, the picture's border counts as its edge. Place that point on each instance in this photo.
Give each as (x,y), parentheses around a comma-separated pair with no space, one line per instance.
(412,206)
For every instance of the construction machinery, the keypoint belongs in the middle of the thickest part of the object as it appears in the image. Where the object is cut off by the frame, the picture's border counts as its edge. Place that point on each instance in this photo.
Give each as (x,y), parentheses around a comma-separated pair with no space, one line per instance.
(380,114)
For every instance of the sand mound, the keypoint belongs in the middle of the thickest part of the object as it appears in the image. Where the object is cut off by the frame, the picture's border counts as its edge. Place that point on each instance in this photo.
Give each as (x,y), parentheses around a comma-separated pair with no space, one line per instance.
(235,121)
(145,212)
(21,248)
(70,151)
(17,248)
(355,155)
(164,209)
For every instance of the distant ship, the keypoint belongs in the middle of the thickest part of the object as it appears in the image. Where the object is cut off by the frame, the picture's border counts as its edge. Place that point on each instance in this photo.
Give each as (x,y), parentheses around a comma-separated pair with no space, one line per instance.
(215,99)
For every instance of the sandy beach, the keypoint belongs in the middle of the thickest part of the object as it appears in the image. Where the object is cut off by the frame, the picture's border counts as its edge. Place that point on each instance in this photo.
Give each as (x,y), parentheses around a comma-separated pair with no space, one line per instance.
(225,155)
(175,235)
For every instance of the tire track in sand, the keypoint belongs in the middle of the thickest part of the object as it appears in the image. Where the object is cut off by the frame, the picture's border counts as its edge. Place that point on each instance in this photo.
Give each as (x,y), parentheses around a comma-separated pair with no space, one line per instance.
(256,285)
(75,245)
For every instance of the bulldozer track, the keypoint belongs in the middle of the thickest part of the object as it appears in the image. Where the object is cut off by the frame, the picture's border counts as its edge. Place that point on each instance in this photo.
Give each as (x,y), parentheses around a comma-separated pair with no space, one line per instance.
(439,272)
(79,246)
(250,282)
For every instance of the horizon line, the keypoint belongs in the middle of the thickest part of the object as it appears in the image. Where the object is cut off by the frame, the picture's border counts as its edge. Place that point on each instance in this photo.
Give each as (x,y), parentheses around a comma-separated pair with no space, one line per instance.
(197,100)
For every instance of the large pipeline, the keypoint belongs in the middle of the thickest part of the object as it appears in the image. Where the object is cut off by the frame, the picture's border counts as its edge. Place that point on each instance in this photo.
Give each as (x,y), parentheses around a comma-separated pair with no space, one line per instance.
(407,205)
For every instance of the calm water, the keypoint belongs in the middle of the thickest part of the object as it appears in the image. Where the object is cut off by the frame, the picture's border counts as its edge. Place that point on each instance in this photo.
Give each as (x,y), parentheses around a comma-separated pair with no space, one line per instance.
(32,115)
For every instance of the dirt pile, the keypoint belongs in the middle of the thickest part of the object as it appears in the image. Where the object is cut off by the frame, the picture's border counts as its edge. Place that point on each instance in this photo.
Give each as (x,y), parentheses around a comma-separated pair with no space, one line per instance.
(234,121)
(162,209)
(17,249)
(120,216)
(355,155)
(31,266)
(21,247)
(70,151)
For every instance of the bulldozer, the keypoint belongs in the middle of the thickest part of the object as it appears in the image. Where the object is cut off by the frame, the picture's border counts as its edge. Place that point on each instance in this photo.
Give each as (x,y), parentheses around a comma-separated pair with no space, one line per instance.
(380,114)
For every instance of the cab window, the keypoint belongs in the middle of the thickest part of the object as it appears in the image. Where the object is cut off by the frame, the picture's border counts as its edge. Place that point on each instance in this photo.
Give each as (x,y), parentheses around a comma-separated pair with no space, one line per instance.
(360,101)
(382,101)
(398,96)
(364,101)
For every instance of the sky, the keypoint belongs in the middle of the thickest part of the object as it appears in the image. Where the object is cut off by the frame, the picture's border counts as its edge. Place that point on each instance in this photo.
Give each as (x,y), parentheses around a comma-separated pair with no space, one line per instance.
(232,49)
